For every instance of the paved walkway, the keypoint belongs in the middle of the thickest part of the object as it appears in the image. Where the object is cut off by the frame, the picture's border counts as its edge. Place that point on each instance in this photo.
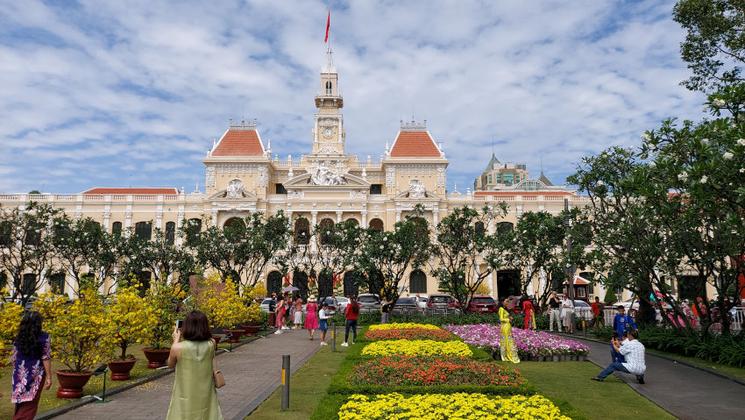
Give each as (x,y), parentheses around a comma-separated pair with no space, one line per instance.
(686,392)
(252,373)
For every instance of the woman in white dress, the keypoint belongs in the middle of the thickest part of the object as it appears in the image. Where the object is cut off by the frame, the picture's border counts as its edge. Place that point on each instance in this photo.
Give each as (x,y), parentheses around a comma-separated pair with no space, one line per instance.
(567,314)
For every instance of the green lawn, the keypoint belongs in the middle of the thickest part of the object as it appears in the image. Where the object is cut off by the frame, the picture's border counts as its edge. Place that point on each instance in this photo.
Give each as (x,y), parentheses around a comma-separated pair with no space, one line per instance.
(569,383)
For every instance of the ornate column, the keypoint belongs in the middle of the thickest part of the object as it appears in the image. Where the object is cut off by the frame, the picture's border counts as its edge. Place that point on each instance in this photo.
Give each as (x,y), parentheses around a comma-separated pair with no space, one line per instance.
(313,218)
(214,216)
(436,215)
(363,218)
(398,215)
(339,216)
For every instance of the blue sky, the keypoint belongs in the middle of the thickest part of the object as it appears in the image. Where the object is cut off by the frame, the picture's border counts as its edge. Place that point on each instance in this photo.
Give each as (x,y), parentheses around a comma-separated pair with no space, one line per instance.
(105,93)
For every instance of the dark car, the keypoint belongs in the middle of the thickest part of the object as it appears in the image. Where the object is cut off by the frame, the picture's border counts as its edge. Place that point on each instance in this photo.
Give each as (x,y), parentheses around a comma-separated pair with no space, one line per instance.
(406,305)
(483,304)
(442,303)
(369,302)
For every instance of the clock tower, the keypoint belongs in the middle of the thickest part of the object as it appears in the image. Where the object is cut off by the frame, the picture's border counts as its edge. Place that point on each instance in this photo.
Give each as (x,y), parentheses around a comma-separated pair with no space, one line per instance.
(328,131)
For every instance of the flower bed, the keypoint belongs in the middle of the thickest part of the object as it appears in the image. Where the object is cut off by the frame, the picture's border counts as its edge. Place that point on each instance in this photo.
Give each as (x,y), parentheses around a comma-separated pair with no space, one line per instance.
(402,326)
(442,406)
(410,334)
(417,348)
(417,371)
(530,344)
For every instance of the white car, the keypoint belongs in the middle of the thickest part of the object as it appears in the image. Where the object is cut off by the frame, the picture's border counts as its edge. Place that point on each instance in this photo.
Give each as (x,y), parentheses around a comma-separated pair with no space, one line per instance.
(343,302)
(266,305)
(421,301)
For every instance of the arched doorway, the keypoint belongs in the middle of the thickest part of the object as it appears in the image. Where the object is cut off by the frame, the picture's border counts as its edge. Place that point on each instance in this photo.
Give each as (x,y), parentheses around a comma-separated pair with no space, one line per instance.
(352,222)
(352,280)
(274,283)
(302,231)
(376,224)
(234,222)
(508,283)
(325,284)
(300,280)
(144,230)
(170,234)
(417,282)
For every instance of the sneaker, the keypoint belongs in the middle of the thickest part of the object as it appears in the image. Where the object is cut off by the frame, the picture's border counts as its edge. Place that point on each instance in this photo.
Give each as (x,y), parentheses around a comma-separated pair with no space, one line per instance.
(278,332)
(595,378)
(640,379)
(323,343)
(344,344)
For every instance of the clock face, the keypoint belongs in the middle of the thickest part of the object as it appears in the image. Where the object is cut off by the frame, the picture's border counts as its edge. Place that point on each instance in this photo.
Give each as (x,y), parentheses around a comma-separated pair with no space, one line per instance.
(328,132)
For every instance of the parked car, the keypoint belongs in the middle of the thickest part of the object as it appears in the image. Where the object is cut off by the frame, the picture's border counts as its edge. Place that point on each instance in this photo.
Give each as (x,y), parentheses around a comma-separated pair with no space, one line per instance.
(369,302)
(267,305)
(343,302)
(483,304)
(421,301)
(442,303)
(405,305)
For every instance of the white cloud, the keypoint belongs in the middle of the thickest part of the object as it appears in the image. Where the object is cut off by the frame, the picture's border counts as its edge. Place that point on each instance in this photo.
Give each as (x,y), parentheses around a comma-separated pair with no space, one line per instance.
(121,93)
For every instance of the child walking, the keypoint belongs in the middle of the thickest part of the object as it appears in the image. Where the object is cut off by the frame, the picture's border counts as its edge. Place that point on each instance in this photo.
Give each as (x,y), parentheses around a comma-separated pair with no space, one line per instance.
(323,324)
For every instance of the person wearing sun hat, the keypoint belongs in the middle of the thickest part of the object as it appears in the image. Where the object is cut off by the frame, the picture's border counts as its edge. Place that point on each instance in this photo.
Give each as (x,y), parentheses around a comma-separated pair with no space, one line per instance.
(311,316)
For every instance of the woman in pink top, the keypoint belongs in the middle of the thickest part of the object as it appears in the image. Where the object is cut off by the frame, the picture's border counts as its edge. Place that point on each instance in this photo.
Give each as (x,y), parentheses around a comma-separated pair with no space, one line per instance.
(311,316)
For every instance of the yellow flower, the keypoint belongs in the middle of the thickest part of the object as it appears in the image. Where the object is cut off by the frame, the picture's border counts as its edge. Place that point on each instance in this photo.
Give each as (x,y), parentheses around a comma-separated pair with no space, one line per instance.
(402,326)
(417,348)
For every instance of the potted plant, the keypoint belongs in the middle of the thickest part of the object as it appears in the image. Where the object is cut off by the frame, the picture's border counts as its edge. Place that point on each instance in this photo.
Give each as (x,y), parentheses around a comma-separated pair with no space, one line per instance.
(133,317)
(83,338)
(163,301)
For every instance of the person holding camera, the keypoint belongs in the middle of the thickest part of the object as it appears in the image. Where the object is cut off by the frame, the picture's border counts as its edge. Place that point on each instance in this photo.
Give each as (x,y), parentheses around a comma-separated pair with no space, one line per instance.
(633,352)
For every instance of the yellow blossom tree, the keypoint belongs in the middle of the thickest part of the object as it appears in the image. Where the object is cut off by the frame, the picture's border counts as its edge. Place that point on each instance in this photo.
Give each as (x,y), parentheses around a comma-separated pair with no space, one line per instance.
(10,319)
(162,300)
(133,318)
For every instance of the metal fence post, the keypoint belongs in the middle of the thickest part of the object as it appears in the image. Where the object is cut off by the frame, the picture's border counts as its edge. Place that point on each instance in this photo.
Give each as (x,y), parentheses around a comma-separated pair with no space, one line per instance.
(285,382)
(333,335)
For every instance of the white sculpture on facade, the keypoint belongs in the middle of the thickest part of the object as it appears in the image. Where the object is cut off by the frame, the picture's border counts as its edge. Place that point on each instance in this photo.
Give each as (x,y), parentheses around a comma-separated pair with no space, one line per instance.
(235,189)
(323,174)
(416,189)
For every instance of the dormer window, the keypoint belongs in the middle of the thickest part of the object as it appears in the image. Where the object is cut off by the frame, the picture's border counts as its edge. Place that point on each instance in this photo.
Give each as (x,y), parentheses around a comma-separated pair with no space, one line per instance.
(328,88)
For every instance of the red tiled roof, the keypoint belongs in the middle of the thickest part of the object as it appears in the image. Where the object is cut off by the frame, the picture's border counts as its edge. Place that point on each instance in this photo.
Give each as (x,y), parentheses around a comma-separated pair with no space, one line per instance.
(414,144)
(239,142)
(522,193)
(133,191)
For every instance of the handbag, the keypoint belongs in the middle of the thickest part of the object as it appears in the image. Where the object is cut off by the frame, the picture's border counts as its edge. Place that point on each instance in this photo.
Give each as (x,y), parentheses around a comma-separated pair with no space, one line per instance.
(219,379)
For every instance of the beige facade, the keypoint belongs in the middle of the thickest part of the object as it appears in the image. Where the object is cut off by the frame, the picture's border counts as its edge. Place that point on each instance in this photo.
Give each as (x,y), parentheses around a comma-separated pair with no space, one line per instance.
(241,177)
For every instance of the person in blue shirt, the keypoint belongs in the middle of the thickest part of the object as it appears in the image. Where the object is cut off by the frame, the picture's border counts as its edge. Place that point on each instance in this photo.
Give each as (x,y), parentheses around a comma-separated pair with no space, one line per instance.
(615,356)
(623,323)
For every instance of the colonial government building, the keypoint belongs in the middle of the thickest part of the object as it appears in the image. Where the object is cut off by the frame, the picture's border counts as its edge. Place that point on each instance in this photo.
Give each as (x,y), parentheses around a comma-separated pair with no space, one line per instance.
(327,184)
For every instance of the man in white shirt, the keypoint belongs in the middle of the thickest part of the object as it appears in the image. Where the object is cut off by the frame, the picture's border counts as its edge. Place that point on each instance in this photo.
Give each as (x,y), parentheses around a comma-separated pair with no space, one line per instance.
(633,351)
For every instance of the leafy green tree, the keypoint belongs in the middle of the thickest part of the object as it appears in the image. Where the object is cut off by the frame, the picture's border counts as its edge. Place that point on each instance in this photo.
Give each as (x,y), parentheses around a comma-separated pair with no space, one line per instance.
(466,253)
(714,47)
(391,253)
(88,253)
(159,256)
(26,247)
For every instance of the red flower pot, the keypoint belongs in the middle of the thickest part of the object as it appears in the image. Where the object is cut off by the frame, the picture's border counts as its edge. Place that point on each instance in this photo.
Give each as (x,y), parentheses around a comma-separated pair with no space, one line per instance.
(156,357)
(120,369)
(71,383)
(251,329)
(234,336)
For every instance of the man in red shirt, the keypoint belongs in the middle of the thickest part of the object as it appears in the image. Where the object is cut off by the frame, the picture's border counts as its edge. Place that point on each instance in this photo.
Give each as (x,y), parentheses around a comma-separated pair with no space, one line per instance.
(597,313)
(351,314)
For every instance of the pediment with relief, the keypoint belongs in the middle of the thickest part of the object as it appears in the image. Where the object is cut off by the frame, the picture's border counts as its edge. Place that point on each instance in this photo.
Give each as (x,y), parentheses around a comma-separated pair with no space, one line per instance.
(319,180)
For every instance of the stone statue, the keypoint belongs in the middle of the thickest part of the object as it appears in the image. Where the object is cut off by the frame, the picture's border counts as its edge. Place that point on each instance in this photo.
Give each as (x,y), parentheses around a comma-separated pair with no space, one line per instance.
(416,189)
(322,174)
(235,189)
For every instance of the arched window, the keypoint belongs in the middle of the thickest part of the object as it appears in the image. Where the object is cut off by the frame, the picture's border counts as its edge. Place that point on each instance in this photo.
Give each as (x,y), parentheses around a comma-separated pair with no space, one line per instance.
(329,89)
(233,223)
(326,230)
(144,230)
(417,282)
(352,221)
(170,233)
(274,283)
(504,227)
(143,278)
(116,228)
(28,287)
(57,283)
(300,280)
(234,229)
(33,236)
(3,280)
(193,227)
(302,231)
(480,229)
(376,224)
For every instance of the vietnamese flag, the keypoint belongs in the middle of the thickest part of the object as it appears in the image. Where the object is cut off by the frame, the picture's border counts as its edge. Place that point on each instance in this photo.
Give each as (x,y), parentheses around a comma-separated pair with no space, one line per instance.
(328,25)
